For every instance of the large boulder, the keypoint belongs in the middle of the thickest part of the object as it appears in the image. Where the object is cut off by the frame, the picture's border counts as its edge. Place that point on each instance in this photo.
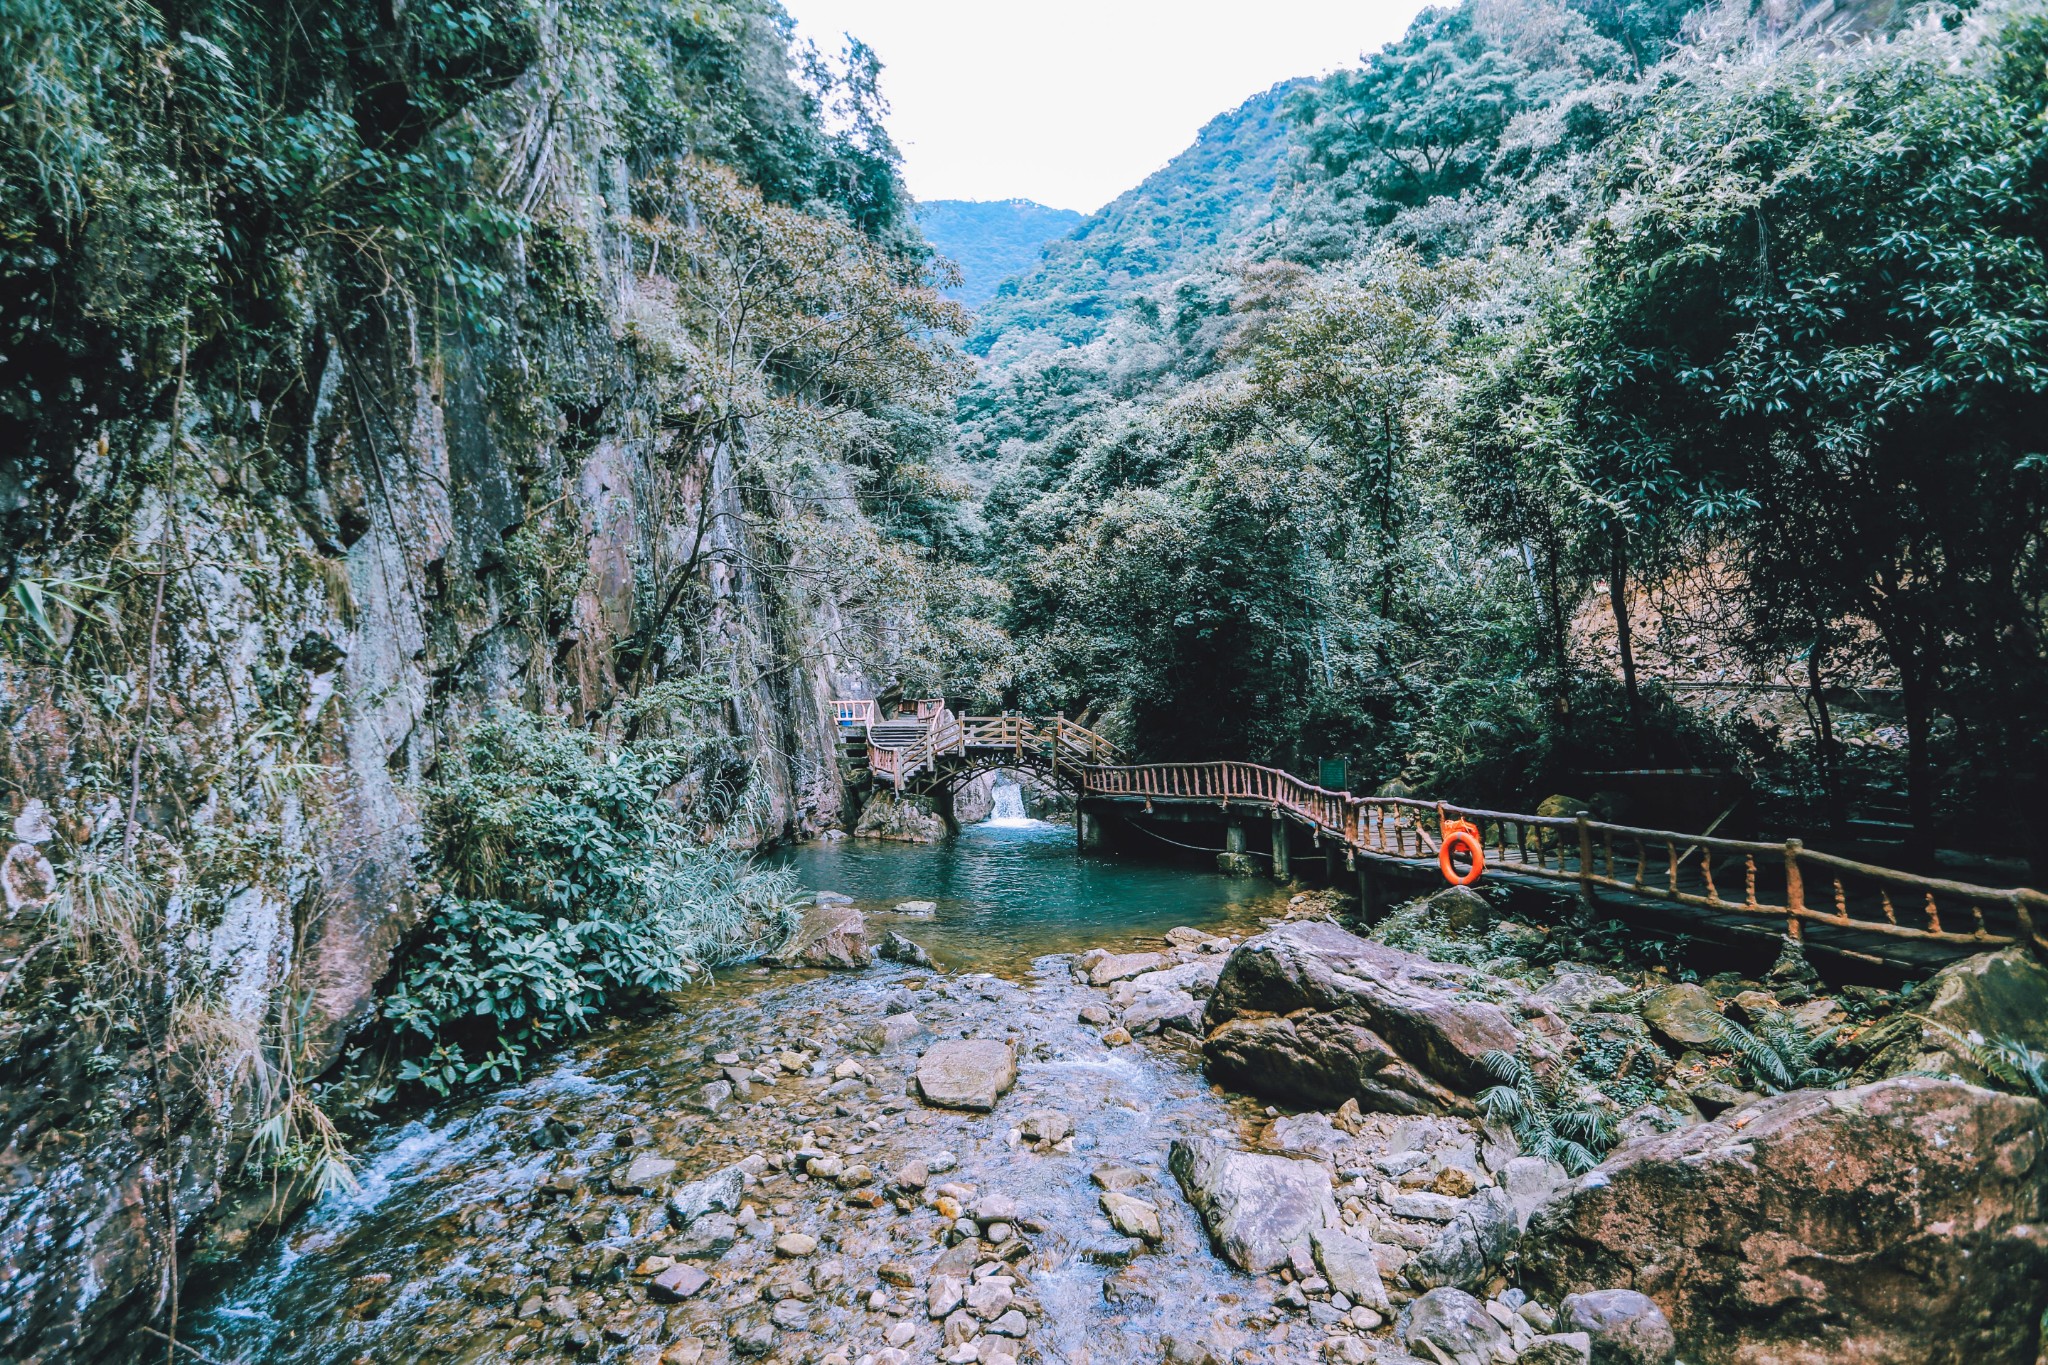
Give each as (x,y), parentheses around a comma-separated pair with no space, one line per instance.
(1196,978)
(1261,1210)
(1312,1016)
(901,819)
(1898,1223)
(1991,995)
(967,1073)
(830,934)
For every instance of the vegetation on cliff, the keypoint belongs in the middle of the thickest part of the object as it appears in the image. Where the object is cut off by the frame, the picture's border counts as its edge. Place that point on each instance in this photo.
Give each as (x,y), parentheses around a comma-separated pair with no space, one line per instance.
(373,371)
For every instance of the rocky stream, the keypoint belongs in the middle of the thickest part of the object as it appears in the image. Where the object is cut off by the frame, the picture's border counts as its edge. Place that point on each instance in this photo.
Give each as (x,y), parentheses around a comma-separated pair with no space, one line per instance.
(1249,1138)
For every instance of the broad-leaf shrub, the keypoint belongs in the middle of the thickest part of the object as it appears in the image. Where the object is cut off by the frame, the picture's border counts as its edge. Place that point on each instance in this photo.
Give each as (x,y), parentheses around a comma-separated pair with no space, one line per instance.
(572,884)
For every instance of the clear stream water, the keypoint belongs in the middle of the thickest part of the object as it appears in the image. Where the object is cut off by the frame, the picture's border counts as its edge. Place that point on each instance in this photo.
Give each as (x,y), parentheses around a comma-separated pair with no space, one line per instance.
(1012,889)
(470,1216)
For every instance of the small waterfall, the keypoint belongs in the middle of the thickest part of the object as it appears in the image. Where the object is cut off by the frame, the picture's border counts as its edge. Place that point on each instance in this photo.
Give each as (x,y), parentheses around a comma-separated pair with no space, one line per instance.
(1009,807)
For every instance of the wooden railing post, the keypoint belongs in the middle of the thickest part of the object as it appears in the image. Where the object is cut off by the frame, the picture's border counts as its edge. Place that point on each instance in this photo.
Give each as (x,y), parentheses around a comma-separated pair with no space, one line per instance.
(1795,890)
(1585,856)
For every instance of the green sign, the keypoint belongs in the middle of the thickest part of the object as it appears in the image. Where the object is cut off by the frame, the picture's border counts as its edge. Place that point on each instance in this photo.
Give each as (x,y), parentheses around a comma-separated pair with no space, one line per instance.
(1335,774)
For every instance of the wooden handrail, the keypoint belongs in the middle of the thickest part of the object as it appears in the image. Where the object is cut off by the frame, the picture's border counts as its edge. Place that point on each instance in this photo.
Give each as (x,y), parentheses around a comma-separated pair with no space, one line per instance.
(1849,893)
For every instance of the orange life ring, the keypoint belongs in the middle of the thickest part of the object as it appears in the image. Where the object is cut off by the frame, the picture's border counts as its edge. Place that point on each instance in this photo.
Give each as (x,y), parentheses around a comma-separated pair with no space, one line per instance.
(1465,833)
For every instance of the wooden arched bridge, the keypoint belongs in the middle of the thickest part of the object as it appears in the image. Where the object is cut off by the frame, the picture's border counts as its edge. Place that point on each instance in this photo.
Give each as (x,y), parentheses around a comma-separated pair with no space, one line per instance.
(1712,886)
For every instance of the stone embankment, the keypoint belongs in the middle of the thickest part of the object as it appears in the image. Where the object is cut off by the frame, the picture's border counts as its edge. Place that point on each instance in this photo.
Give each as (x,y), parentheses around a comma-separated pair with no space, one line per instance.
(908,1165)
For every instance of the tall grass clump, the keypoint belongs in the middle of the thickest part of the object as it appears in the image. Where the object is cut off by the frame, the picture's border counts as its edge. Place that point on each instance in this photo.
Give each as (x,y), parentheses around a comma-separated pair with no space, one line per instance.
(572,884)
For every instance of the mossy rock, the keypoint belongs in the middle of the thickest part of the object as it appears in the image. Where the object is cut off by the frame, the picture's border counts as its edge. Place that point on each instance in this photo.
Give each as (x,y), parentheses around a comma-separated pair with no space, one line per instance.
(1993,995)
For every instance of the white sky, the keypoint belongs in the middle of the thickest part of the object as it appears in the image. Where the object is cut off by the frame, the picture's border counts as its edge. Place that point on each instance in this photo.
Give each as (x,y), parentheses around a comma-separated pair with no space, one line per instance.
(1072,102)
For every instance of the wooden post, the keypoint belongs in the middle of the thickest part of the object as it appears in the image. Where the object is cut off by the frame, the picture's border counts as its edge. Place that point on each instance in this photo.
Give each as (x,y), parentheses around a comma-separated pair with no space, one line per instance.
(1795,890)
(1282,865)
(1585,859)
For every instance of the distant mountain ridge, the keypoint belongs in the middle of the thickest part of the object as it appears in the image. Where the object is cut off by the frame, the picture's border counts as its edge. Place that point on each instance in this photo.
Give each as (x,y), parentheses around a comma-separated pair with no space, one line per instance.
(1218,191)
(991,240)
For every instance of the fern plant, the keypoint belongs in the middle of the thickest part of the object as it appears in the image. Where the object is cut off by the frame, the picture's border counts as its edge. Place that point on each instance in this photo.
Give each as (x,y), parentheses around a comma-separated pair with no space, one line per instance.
(2007,1062)
(1780,1054)
(1547,1119)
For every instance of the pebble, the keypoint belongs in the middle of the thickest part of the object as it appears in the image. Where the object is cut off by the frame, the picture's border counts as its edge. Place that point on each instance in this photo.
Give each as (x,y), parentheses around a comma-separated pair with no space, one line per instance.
(796,1244)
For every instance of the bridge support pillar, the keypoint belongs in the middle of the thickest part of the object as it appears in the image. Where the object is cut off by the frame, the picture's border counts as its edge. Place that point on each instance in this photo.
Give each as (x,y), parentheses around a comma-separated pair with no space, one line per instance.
(1233,861)
(942,806)
(1283,867)
(1371,905)
(1087,829)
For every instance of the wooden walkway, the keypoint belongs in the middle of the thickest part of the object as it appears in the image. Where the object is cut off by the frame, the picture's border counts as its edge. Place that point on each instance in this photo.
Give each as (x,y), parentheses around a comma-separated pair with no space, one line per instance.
(1852,907)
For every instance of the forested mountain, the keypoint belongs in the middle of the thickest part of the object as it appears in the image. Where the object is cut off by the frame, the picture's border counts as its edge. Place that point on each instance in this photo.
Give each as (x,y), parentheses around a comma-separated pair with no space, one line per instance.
(990,240)
(1555,314)
(1194,208)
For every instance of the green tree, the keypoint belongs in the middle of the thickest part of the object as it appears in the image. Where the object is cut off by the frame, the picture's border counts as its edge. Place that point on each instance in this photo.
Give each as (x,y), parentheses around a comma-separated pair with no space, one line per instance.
(1816,327)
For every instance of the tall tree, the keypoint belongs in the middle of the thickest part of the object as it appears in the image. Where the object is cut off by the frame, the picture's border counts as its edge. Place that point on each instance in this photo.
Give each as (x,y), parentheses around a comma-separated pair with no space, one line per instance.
(1817,324)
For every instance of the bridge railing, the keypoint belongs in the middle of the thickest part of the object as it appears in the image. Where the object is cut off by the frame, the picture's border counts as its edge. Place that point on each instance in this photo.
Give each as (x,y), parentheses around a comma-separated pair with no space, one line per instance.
(1783,880)
(855,711)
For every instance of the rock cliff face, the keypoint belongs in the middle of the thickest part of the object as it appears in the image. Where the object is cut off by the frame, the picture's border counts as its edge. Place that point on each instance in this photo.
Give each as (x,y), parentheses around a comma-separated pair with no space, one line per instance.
(443,517)
(408,623)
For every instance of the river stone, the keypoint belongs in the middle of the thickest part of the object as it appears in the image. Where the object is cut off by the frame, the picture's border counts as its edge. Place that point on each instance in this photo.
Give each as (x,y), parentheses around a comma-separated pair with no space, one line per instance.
(707,1238)
(1164,1010)
(1351,1264)
(1683,1016)
(1455,1323)
(1894,1222)
(893,1031)
(1476,1240)
(678,1282)
(896,948)
(1558,1348)
(1117,966)
(1197,978)
(1010,1324)
(917,909)
(1308,1134)
(644,1175)
(1309,1015)
(1045,1127)
(1425,1205)
(718,1192)
(1131,1216)
(990,1297)
(1258,1209)
(967,1073)
(1625,1328)
(1578,989)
